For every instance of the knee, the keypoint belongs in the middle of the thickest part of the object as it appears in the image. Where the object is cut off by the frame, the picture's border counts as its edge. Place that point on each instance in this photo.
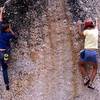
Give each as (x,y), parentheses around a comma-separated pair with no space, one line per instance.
(95,66)
(4,67)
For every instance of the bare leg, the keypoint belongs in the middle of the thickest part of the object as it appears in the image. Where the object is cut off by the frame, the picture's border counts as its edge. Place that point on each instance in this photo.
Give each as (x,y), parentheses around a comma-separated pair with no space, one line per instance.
(94,72)
(92,76)
(82,69)
(84,73)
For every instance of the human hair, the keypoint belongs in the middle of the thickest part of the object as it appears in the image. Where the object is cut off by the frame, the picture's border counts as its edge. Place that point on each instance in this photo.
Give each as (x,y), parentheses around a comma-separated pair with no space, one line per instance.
(88,24)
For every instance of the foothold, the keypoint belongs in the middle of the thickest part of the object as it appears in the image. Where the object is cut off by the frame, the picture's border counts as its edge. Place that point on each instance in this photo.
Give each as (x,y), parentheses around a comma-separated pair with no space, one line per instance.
(34,56)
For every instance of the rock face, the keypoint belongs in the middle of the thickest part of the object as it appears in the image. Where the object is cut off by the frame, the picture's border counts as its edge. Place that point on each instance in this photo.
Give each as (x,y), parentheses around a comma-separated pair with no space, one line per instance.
(44,59)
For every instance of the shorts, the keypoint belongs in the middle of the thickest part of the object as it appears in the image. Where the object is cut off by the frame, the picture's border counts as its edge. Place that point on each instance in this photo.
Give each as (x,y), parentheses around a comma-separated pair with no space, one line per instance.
(88,56)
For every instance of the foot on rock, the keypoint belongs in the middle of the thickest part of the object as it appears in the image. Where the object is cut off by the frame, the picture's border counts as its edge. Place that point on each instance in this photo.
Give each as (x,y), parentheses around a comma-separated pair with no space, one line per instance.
(7,87)
(86,80)
(91,85)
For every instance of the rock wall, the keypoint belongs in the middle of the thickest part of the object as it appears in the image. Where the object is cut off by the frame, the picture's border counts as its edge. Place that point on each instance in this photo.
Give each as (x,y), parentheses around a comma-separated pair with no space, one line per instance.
(44,59)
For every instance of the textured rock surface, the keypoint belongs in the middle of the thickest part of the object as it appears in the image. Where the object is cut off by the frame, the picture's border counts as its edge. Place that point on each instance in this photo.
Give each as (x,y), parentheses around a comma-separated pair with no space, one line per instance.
(44,60)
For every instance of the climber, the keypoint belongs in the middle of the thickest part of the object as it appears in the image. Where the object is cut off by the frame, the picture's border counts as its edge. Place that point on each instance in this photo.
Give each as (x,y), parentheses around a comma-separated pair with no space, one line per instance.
(88,56)
(6,34)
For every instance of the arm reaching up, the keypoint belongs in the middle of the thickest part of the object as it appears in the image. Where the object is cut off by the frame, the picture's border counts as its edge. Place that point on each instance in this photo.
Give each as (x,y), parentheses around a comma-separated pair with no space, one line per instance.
(79,27)
(1,13)
(97,23)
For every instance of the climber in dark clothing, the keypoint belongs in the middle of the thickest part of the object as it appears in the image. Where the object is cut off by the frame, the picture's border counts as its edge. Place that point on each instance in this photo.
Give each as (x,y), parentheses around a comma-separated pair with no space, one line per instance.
(6,34)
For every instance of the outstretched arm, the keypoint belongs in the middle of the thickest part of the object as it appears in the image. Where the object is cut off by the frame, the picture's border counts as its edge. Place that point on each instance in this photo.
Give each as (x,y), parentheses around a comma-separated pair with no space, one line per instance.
(97,23)
(79,26)
(12,32)
(1,14)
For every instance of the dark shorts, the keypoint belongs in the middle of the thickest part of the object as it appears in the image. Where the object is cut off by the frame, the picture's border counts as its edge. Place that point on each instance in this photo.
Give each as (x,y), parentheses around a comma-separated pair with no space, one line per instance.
(88,56)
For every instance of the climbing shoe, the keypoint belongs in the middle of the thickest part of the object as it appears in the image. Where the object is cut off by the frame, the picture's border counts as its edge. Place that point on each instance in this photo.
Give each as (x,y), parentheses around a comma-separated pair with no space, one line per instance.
(91,85)
(86,80)
(7,87)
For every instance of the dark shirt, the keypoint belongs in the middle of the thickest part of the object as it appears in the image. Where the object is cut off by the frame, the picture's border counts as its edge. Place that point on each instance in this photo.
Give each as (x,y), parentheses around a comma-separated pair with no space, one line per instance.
(5,38)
